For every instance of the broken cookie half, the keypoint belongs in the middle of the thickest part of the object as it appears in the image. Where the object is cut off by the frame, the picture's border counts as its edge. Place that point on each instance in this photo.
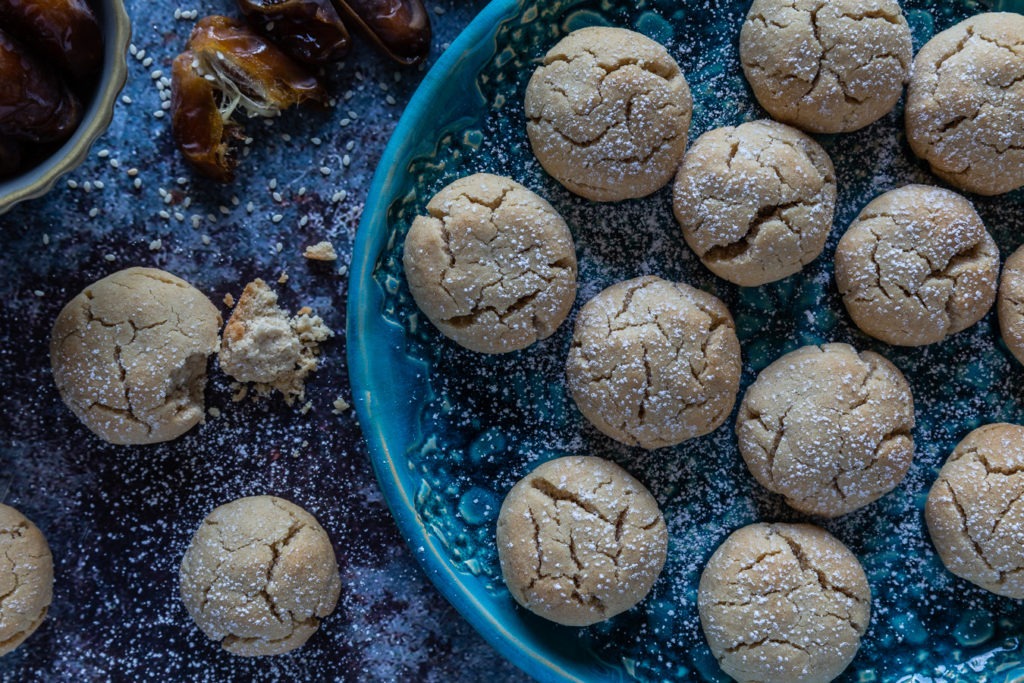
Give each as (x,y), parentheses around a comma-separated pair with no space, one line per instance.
(266,347)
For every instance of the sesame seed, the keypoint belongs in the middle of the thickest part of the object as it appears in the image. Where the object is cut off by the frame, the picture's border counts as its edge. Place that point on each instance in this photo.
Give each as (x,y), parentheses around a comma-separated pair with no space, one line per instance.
(103,153)
(206,239)
(164,215)
(148,61)
(277,218)
(156,74)
(158,114)
(109,257)
(390,100)
(137,183)
(73,184)
(350,145)
(93,212)
(272,184)
(132,172)
(114,163)
(339,196)
(224,210)
(46,238)
(178,216)
(39,292)
(156,245)
(126,99)
(196,220)
(303,221)
(344,122)
(250,207)
(316,141)
(346,160)
(278,247)
(302,190)
(98,184)
(325,170)
(140,54)
(277,197)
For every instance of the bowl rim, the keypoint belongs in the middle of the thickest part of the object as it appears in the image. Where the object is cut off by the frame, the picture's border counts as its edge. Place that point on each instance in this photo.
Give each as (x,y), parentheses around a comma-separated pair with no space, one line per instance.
(39,180)
(391,468)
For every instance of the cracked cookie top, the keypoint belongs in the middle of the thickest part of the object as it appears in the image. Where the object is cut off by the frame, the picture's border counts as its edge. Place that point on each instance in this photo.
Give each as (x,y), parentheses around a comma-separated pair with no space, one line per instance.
(259,575)
(129,355)
(26,578)
(828,428)
(783,602)
(608,112)
(580,540)
(755,201)
(975,509)
(965,103)
(492,265)
(654,363)
(916,266)
(826,66)
(1010,303)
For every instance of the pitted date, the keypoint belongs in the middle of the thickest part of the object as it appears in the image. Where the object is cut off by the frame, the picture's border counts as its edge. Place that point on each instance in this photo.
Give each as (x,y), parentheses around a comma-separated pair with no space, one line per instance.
(200,131)
(247,67)
(307,30)
(35,105)
(64,32)
(400,27)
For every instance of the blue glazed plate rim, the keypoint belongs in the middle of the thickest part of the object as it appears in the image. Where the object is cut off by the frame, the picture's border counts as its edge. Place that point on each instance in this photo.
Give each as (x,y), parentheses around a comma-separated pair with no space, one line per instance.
(364,325)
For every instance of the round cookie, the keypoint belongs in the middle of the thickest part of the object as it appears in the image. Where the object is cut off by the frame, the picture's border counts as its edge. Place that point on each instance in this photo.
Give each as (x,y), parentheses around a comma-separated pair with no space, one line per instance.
(580,540)
(783,602)
(916,266)
(826,67)
(26,578)
(828,428)
(654,363)
(259,575)
(975,509)
(129,355)
(755,201)
(608,112)
(492,265)
(1010,303)
(965,103)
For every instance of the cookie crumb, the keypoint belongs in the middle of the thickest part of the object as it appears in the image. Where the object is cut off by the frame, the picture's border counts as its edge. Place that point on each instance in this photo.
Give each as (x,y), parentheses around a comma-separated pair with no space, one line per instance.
(229,300)
(283,278)
(322,251)
(263,346)
(340,405)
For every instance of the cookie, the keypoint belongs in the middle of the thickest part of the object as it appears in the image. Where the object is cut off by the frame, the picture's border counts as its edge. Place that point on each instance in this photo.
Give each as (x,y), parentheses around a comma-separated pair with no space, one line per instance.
(492,265)
(783,602)
(26,578)
(916,266)
(129,355)
(755,201)
(965,104)
(608,112)
(259,575)
(265,346)
(1010,304)
(580,540)
(654,363)
(828,428)
(975,509)
(826,67)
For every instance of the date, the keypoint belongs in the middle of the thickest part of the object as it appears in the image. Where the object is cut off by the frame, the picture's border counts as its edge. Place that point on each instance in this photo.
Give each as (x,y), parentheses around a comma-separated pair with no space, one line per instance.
(200,131)
(35,105)
(307,30)
(249,70)
(400,27)
(64,32)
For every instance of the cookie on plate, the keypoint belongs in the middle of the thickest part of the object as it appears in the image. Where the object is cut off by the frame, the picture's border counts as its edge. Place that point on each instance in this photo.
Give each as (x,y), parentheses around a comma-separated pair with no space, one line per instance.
(654,363)
(831,67)
(129,355)
(916,266)
(975,509)
(755,201)
(608,112)
(828,428)
(259,575)
(580,540)
(783,602)
(965,104)
(492,264)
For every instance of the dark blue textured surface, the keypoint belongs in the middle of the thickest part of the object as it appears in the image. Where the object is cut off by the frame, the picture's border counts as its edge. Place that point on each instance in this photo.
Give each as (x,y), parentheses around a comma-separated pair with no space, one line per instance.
(119,519)
(453,440)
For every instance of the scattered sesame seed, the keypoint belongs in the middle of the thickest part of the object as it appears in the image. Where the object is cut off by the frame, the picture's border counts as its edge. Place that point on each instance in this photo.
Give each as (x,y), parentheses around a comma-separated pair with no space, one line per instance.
(390,100)
(224,210)
(93,212)
(103,153)
(164,215)
(277,218)
(303,221)
(46,238)
(352,115)
(178,216)
(350,145)
(87,186)
(278,247)
(98,184)
(324,170)
(126,99)
(250,207)
(137,183)
(158,114)
(277,197)
(156,74)
(344,122)
(140,54)
(196,221)
(156,245)
(132,172)
(39,292)
(438,10)
(114,163)
(339,196)
(206,239)
(132,50)
(316,141)
(73,184)
(109,257)
(235,201)
(148,61)
(346,160)
(302,191)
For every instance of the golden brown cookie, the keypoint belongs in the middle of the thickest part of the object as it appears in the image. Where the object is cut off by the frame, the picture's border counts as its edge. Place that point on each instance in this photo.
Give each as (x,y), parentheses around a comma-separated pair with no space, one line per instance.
(580,540)
(826,67)
(654,362)
(975,509)
(129,355)
(492,265)
(828,428)
(608,112)
(755,201)
(781,603)
(1010,304)
(965,103)
(259,575)
(26,578)
(916,266)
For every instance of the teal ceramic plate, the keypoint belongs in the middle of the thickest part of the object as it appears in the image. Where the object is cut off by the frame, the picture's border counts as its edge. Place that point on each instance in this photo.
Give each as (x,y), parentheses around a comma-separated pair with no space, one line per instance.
(450,431)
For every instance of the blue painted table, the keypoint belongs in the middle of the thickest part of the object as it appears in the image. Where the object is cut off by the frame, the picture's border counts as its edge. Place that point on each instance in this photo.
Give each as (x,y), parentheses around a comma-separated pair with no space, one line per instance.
(118,519)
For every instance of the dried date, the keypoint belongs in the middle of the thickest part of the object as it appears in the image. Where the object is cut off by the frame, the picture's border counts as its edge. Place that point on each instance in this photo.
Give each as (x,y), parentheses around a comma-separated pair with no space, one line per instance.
(201,132)
(35,105)
(400,27)
(64,32)
(307,30)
